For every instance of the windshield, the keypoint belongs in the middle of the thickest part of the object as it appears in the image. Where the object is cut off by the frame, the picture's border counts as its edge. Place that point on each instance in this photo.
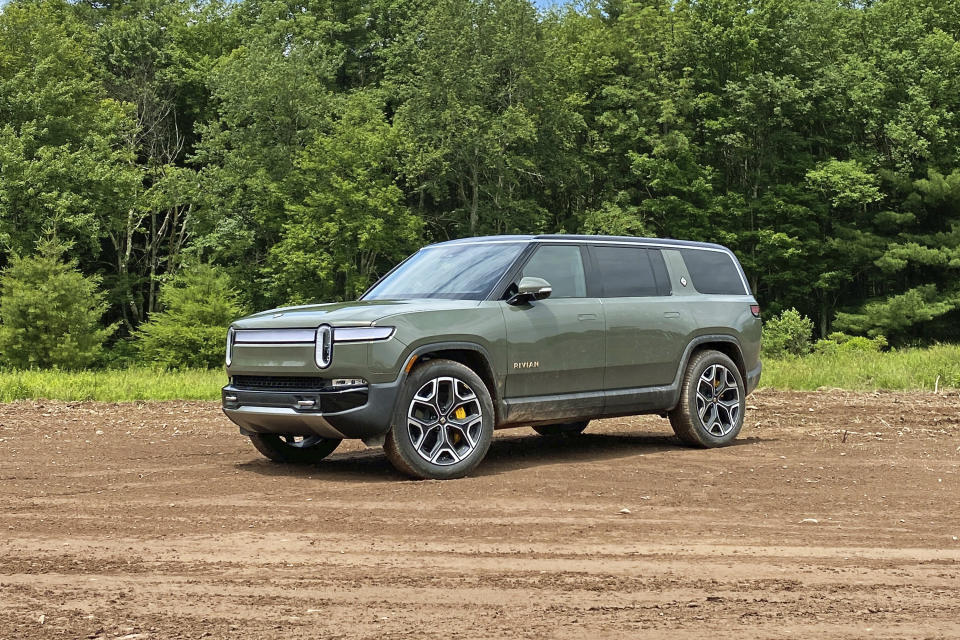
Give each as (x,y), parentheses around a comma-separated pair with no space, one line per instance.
(454,272)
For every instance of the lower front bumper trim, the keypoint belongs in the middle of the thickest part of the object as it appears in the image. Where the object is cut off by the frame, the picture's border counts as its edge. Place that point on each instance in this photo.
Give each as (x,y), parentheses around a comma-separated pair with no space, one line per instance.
(282,421)
(350,413)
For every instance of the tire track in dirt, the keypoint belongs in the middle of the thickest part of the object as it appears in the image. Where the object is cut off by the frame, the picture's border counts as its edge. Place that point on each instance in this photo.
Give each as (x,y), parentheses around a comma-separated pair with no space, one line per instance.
(157,520)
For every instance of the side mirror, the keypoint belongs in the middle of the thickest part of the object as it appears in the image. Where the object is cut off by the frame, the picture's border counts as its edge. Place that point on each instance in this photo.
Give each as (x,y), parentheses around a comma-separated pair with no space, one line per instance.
(529,289)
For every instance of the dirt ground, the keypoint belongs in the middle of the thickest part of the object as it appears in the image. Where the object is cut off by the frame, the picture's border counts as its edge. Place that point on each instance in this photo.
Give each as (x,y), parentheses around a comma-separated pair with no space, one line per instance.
(835,515)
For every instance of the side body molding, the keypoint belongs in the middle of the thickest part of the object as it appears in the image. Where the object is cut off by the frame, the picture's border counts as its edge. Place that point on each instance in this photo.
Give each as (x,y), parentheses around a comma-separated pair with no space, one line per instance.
(568,407)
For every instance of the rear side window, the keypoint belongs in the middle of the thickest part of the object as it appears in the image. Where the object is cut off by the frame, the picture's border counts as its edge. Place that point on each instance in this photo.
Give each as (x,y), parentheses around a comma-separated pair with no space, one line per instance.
(562,267)
(713,272)
(628,272)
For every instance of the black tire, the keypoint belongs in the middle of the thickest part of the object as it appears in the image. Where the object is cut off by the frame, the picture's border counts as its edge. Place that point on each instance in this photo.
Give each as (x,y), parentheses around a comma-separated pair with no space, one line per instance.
(432,425)
(568,429)
(289,450)
(723,414)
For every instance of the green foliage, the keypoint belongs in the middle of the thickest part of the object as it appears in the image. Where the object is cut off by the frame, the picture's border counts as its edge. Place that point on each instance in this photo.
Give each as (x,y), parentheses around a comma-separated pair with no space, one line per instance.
(305,147)
(905,369)
(898,313)
(64,168)
(838,341)
(867,370)
(484,115)
(351,218)
(112,385)
(197,307)
(788,334)
(50,312)
(844,184)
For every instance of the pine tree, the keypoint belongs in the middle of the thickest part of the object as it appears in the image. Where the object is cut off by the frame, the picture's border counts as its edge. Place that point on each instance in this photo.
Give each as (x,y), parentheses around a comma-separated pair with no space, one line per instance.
(198,305)
(50,312)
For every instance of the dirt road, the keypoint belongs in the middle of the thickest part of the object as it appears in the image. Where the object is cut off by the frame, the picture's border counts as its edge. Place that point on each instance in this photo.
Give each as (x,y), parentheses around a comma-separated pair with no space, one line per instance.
(160,521)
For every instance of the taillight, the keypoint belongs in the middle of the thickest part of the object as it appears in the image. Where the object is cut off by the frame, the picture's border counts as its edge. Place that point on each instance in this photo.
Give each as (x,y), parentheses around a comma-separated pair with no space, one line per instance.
(755,310)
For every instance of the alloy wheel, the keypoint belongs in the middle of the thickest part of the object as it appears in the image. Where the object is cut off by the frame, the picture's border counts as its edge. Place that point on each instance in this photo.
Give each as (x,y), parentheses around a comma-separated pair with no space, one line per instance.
(445,421)
(718,400)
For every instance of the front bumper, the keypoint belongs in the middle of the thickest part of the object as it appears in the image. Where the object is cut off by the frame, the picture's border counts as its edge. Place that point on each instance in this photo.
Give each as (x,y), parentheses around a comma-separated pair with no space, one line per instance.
(350,413)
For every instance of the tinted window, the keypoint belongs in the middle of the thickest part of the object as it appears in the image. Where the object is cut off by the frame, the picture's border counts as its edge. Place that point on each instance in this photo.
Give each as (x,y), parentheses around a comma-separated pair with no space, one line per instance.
(562,267)
(660,271)
(713,272)
(627,272)
(454,271)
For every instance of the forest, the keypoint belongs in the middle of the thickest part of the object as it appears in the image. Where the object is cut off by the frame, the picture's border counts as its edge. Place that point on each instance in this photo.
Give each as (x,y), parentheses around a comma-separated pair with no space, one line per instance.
(215,157)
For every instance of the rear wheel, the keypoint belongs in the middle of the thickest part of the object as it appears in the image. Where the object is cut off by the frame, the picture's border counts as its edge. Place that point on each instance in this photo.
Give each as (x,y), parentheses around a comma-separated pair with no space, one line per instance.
(293,449)
(712,400)
(567,429)
(443,424)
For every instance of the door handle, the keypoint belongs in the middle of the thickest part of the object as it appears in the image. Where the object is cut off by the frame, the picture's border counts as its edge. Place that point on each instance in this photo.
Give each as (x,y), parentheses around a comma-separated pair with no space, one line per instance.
(671,314)
(587,316)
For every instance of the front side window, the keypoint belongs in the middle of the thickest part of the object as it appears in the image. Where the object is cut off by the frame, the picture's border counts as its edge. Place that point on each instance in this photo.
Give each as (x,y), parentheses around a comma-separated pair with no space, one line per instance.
(453,272)
(562,267)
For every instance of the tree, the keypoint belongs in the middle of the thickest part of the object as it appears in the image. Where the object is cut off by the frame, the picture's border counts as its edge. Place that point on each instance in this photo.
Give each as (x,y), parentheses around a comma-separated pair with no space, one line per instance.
(817,139)
(351,225)
(197,306)
(154,57)
(273,95)
(64,169)
(475,109)
(50,312)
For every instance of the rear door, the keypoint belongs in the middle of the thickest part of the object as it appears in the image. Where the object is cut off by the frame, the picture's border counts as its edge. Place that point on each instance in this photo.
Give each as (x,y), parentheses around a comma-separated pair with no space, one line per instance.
(645,328)
(555,346)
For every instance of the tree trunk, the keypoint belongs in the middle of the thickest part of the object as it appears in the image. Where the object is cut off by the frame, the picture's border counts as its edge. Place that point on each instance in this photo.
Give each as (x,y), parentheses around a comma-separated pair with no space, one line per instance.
(474,199)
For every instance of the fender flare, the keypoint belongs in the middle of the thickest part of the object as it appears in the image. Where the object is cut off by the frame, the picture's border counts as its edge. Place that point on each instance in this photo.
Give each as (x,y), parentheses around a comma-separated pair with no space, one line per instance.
(688,352)
(456,345)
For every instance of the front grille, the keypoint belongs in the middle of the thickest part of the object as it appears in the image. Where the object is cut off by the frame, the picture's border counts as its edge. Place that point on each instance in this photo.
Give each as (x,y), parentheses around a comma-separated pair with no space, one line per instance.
(280,383)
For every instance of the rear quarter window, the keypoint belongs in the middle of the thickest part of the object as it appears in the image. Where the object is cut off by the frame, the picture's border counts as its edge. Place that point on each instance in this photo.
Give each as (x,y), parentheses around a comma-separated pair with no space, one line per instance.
(713,272)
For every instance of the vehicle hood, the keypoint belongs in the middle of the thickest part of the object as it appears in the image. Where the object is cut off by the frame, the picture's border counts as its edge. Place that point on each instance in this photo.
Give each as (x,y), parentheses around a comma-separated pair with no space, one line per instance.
(358,313)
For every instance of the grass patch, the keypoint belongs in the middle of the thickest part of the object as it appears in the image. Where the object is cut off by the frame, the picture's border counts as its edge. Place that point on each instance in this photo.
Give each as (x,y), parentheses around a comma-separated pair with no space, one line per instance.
(110,385)
(903,369)
(900,369)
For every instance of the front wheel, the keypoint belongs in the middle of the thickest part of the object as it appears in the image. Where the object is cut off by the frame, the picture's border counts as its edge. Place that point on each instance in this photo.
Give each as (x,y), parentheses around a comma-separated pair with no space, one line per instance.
(293,449)
(443,424)
(712,400)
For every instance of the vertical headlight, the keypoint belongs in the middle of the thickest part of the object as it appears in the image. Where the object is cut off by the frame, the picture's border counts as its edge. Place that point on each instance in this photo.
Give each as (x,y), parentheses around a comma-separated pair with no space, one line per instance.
(324,346)
(230,335)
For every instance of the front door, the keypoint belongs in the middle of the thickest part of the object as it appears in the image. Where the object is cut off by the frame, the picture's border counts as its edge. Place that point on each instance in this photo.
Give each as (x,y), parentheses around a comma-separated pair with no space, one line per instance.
(555,347)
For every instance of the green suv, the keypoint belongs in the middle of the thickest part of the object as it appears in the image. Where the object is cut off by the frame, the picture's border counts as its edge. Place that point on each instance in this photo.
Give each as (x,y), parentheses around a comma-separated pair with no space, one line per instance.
(472,335)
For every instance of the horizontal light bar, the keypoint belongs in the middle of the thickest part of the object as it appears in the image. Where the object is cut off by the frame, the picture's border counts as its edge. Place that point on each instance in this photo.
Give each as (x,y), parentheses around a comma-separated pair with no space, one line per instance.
(308,336)
(361,334)
(274,336)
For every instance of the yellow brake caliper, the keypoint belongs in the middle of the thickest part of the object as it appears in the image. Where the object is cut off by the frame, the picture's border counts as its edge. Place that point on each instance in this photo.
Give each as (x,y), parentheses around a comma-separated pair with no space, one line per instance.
(459,414)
